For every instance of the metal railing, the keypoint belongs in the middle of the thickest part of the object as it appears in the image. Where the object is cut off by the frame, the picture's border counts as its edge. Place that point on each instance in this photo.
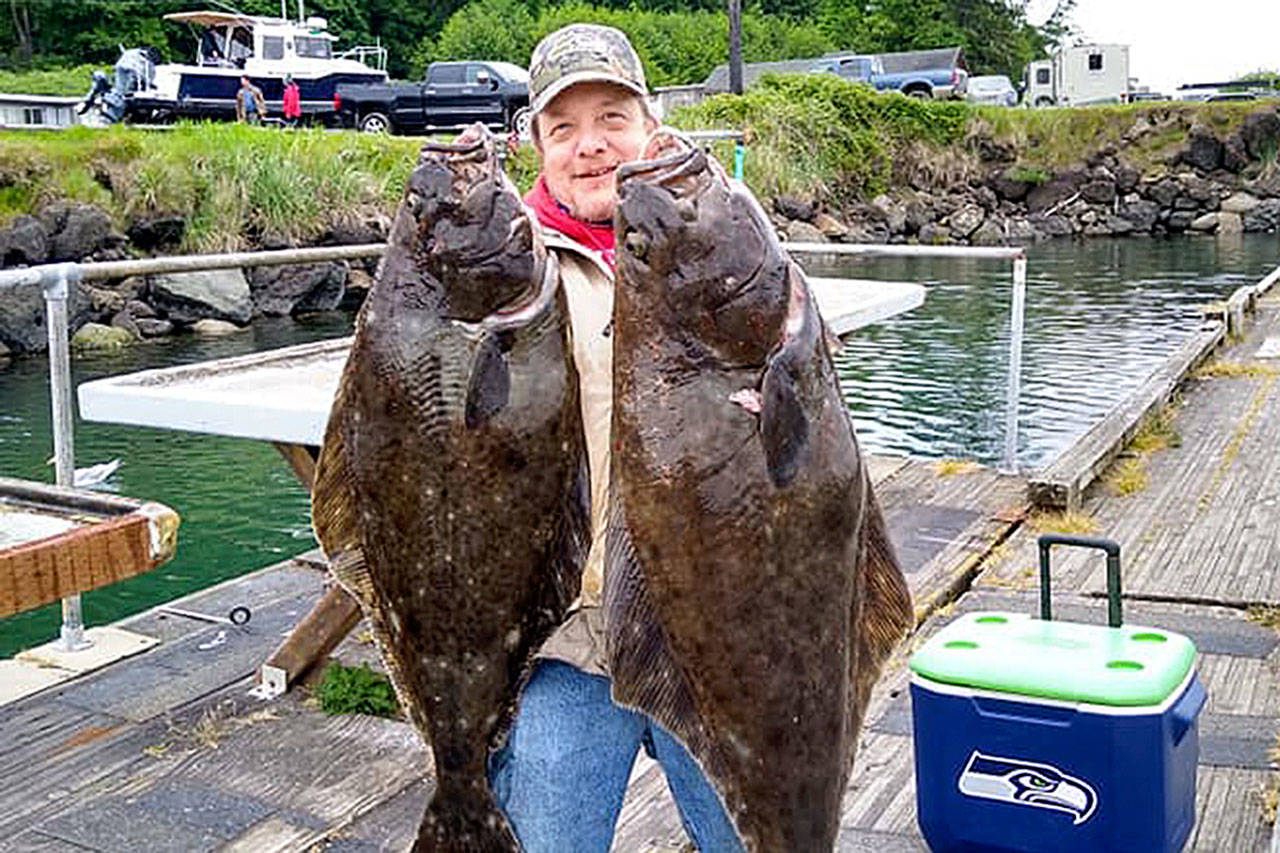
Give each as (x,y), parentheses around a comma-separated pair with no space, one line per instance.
(1017,310)
(58,279)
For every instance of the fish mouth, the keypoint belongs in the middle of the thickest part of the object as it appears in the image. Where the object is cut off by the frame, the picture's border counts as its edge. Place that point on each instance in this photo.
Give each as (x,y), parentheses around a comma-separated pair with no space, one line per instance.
(669,159)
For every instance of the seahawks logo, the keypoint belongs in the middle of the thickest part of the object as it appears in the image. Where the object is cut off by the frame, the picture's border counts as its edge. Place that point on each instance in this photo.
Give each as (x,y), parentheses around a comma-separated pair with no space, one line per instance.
(1028,783)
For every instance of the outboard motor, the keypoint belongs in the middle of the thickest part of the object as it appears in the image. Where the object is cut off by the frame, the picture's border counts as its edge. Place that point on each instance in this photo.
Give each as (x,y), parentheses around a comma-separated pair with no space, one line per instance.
(135,71)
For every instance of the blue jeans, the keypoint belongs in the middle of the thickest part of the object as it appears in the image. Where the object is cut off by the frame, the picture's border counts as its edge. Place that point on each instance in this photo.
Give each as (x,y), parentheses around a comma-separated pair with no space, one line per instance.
(563,773)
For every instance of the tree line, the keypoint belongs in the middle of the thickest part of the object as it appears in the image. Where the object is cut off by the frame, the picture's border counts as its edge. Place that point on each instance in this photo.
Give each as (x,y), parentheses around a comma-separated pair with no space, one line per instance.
(680,41)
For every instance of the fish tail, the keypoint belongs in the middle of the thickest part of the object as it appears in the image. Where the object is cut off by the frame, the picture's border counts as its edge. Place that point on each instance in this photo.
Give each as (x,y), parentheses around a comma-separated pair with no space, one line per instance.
(475,825)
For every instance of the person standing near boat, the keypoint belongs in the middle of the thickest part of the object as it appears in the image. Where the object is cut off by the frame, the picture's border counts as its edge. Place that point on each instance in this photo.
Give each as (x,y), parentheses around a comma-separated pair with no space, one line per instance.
(292,102)
(251,106)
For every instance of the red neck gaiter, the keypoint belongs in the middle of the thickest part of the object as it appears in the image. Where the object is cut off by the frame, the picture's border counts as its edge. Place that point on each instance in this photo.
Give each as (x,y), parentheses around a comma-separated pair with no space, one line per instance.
(553,214)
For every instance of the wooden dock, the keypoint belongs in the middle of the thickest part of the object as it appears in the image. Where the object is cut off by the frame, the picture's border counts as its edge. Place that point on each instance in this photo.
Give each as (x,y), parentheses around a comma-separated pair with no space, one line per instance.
(166,751)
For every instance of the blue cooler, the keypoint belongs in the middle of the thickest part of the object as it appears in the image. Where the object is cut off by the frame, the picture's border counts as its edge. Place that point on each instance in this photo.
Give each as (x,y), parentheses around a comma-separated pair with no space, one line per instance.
(1035,735)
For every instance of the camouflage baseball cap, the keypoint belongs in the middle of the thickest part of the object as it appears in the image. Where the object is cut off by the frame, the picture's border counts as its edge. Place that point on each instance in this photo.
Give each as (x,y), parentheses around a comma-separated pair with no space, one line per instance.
(582,53)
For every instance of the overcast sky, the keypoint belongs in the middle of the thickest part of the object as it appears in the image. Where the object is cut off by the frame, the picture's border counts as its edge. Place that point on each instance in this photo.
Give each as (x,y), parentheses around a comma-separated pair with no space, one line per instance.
(1181,41)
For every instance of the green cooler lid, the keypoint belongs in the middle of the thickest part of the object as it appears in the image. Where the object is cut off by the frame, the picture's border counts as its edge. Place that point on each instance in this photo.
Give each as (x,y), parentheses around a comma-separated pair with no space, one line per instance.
(1068,661)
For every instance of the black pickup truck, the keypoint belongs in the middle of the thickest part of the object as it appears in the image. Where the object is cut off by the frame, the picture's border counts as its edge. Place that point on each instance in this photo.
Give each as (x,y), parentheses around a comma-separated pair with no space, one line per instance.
(454,94)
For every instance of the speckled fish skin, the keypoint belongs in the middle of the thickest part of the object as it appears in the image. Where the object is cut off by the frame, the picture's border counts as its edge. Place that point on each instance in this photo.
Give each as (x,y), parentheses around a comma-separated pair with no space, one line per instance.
(450,493)
(751,592)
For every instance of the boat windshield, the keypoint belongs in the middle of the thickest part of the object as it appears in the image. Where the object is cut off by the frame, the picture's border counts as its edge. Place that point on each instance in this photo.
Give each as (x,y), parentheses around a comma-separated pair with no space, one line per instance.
(313,47)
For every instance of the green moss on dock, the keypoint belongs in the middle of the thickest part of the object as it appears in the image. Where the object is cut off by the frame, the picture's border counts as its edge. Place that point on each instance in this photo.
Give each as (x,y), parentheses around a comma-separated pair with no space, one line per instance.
(356,690)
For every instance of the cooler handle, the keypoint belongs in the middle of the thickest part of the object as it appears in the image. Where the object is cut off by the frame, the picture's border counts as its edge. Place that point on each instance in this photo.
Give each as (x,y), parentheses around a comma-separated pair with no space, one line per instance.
(1113,571)
(1187,709)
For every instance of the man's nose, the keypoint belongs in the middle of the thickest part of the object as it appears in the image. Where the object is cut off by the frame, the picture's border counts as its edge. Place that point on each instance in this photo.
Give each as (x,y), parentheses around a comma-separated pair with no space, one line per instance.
(591,142)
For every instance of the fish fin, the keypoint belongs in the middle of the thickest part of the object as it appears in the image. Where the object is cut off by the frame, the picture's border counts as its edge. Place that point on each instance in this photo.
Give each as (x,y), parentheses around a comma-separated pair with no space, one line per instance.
(886,614)
(642,666)
(784,427)
(490,384)
(334,516)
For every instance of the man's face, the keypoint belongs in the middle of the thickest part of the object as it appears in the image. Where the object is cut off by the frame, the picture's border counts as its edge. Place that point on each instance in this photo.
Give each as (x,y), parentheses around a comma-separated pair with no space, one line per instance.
(582,136)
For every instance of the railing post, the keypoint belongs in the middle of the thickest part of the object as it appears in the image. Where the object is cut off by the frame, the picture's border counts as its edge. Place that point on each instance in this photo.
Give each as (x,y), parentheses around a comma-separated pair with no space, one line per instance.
(58,281)
(1016,311)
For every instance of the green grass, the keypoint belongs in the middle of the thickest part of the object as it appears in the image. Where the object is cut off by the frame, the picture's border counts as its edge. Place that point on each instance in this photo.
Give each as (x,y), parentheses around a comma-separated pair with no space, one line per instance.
(356,690)
(58,81)
(236,185)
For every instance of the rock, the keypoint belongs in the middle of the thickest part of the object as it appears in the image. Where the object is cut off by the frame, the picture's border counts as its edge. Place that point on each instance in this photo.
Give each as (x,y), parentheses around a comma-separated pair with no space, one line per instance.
(22,316)
(965,220)
(75,230)
(918,213)
(1008,187)
(1057,190)
(24,243)
(1197,188)
(214,328)
(1264,217)
(153,232)
(1183,202)
(1018,231)
(1204,222)
(802,232)
(1204,149)
(283,290)
(831,228)
(895,216)
(5,352)
(793,207)
(358,284)
(1127,177)
(1088,217)
(105,301)
(1267,186)
(1053,226)
(1240,202)
(140,309)
(932,234)
(1260,132)
(191,296)
(1235,156)
(123,320)
(985,197)
(1118,226)
(1142,214)
(368,230)
(989,233)
(132,287)
(1179,220)
(1163,192)
(1230,223)
(95,336)
(151,327)
(1099,192)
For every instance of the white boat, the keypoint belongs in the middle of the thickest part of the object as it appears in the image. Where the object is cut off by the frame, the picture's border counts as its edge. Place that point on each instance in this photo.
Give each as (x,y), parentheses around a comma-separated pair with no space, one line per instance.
(229,45)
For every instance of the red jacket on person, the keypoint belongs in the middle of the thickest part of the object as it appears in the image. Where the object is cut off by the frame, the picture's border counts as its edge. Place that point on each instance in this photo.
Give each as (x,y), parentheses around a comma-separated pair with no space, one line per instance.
(292,101)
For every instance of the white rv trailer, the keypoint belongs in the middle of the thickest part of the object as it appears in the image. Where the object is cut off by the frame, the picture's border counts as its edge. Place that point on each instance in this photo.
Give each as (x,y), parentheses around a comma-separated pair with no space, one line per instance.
(1080,74)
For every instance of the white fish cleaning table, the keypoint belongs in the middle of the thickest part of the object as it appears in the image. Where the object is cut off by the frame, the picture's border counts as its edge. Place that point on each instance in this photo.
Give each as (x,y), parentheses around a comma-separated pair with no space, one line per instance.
(284,395)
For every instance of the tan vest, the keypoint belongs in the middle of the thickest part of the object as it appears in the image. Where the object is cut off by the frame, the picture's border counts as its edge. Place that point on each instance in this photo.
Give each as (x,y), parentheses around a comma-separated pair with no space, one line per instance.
(588,287)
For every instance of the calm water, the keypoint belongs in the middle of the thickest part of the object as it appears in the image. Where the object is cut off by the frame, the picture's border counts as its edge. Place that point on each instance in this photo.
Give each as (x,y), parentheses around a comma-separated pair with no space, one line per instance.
(1100,317)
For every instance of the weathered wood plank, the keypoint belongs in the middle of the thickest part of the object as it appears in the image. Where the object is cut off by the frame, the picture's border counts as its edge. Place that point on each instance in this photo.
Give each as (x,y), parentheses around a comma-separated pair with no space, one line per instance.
(1062,484)
(316,635)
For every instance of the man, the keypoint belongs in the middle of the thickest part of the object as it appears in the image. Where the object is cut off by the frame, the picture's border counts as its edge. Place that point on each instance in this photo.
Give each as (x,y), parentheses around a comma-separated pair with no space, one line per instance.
(251,106)
(563,773)
(292,101)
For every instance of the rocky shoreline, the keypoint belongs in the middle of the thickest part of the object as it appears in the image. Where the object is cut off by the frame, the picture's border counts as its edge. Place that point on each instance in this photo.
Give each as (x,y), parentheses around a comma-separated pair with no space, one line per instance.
(1212,185)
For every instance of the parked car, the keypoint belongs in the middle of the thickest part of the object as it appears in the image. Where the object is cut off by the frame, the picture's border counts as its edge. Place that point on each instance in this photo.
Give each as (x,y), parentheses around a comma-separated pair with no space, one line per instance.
(991,89)
(454,94)
(920,74)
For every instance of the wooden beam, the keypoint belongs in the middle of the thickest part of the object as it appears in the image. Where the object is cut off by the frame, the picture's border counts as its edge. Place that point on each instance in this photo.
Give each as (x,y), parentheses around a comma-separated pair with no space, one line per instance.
(302,458)
(41,572)
(311,640)
(1061,485)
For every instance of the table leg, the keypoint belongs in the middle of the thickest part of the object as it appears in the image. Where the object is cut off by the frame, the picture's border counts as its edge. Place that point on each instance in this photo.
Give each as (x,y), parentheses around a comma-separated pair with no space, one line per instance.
(329,621)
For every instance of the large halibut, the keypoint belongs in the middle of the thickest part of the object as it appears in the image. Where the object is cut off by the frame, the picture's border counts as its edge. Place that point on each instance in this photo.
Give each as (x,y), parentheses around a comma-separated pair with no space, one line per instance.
(751,592)
(451,490)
